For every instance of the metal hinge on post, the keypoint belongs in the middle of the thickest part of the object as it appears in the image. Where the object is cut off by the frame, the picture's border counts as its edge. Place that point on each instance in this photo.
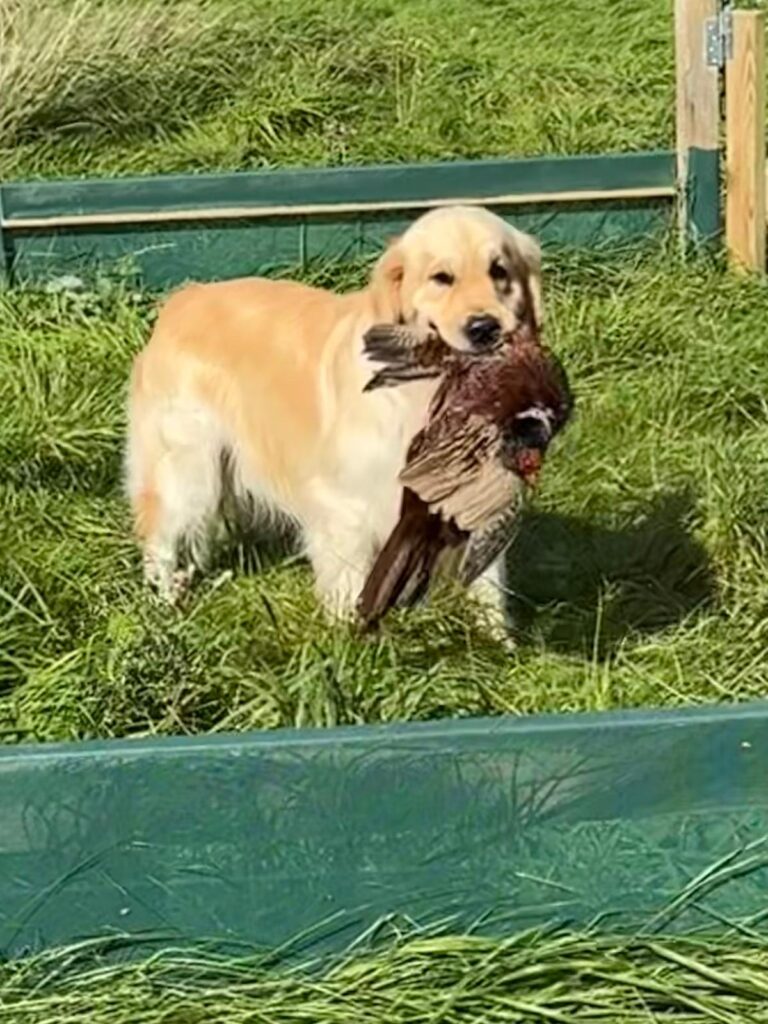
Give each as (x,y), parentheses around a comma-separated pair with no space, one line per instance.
(718,38)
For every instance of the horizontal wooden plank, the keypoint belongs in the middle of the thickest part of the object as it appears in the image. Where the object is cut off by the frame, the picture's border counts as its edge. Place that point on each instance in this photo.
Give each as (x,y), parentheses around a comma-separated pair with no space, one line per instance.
(405,185)
(260,837)
(223,213)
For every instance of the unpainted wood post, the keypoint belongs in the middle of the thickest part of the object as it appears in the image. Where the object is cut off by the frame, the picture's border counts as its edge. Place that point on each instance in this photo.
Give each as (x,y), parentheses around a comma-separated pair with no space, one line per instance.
(698,122)
(745,224)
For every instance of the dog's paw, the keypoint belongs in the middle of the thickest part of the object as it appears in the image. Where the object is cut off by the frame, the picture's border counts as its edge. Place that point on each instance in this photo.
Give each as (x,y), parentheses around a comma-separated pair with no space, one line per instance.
(339,602)
(171,586)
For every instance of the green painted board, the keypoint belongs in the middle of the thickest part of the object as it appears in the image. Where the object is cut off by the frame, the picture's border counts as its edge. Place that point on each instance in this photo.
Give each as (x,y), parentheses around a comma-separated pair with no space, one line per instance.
(166,255)
(297,187)
(214,251)
(703,195)
(258,837)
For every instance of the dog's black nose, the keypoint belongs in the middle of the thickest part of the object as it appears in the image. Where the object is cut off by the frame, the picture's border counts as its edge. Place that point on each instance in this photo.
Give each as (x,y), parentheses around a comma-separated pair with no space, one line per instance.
(482,331)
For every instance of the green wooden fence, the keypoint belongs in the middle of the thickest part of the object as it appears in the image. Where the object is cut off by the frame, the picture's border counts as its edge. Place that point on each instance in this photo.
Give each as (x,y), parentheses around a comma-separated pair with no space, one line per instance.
(260,837)
(173,228)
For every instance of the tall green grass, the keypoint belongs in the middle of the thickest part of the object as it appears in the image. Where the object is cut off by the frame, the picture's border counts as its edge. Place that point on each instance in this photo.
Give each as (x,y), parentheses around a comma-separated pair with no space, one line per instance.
(100,87)
(639,578)
(424,978)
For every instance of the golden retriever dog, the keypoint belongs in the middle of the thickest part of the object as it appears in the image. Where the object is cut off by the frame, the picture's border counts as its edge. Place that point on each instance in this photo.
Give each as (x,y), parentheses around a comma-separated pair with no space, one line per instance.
(253,389)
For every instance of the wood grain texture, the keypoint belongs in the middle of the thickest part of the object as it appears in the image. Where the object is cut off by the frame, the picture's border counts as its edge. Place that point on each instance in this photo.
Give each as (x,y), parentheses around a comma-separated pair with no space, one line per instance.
(745,142)
(697,94)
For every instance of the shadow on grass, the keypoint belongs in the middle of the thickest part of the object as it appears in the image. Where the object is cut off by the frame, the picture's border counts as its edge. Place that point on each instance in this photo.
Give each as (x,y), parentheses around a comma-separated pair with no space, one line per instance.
(253,549)
(574,585)
(581,588)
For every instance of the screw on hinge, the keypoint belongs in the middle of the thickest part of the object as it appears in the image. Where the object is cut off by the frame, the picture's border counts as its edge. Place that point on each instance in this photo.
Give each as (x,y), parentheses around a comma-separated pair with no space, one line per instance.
(718,38)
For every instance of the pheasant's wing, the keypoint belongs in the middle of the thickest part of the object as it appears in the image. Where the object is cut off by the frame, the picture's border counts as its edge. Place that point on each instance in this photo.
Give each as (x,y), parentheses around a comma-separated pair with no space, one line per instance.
(457,470)
(481,498)
(488,542)
(391,343)
(405,353)
(393,375)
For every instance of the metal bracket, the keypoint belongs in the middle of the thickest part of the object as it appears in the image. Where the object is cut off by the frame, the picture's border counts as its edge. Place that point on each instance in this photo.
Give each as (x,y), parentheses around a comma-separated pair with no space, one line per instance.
(718,39)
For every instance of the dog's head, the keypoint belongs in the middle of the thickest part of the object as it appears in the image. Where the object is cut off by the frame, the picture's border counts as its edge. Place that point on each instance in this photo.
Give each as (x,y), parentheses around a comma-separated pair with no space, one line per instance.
(463,272)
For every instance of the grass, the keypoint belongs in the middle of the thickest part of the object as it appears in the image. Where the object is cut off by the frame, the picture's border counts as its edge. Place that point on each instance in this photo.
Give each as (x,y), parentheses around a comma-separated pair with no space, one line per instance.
(95,87)
(430,978)
(639,578)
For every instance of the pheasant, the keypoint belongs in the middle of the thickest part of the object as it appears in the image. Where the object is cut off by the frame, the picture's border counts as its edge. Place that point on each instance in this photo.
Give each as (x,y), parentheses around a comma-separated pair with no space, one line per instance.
(489,425)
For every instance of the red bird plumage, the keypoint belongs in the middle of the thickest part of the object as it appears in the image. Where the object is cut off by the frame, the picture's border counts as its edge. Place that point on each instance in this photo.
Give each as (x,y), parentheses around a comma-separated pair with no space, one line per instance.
(489,425)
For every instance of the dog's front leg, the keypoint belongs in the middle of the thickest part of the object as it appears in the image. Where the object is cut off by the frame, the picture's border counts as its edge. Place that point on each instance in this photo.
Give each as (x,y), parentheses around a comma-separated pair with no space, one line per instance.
(489,591)
(340,559)
(340,539)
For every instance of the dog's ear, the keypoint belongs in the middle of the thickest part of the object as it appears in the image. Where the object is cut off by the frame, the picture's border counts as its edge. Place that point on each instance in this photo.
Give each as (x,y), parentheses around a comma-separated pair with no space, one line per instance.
(534,285)
(524,250)
(387,284)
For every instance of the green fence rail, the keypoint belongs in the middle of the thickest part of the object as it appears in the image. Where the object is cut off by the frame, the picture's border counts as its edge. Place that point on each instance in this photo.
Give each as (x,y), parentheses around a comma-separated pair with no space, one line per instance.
(261,836)
(173,228)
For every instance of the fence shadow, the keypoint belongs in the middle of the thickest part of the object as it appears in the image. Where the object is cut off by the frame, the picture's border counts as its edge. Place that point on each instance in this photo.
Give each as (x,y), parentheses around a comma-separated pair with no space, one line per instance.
(582,588)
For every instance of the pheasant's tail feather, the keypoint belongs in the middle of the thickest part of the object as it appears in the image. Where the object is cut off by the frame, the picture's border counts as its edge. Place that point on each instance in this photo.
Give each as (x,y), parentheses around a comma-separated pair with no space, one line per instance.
(401,573)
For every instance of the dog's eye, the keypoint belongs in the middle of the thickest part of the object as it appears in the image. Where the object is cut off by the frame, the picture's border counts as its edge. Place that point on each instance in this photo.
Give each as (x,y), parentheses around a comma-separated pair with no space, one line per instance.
(498,271)
(443,277)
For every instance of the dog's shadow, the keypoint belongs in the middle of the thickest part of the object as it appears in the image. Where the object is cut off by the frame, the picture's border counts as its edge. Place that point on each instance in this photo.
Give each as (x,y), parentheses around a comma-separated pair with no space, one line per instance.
(577,587)
(573,585)
(250,550)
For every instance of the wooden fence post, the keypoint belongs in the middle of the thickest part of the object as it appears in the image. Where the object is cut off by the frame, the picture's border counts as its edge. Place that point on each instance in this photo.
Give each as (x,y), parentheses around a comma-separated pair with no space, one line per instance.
(745,224)
(698,122)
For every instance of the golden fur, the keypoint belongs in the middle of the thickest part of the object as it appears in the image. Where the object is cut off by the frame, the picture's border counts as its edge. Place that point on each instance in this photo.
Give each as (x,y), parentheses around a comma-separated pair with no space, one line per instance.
(266,378)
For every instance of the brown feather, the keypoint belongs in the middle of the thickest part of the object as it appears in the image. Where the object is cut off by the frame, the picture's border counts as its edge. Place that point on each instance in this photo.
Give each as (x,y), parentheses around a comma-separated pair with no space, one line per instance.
(490,541)
(404,565)
(458,471)
(465,471)
(406,355)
